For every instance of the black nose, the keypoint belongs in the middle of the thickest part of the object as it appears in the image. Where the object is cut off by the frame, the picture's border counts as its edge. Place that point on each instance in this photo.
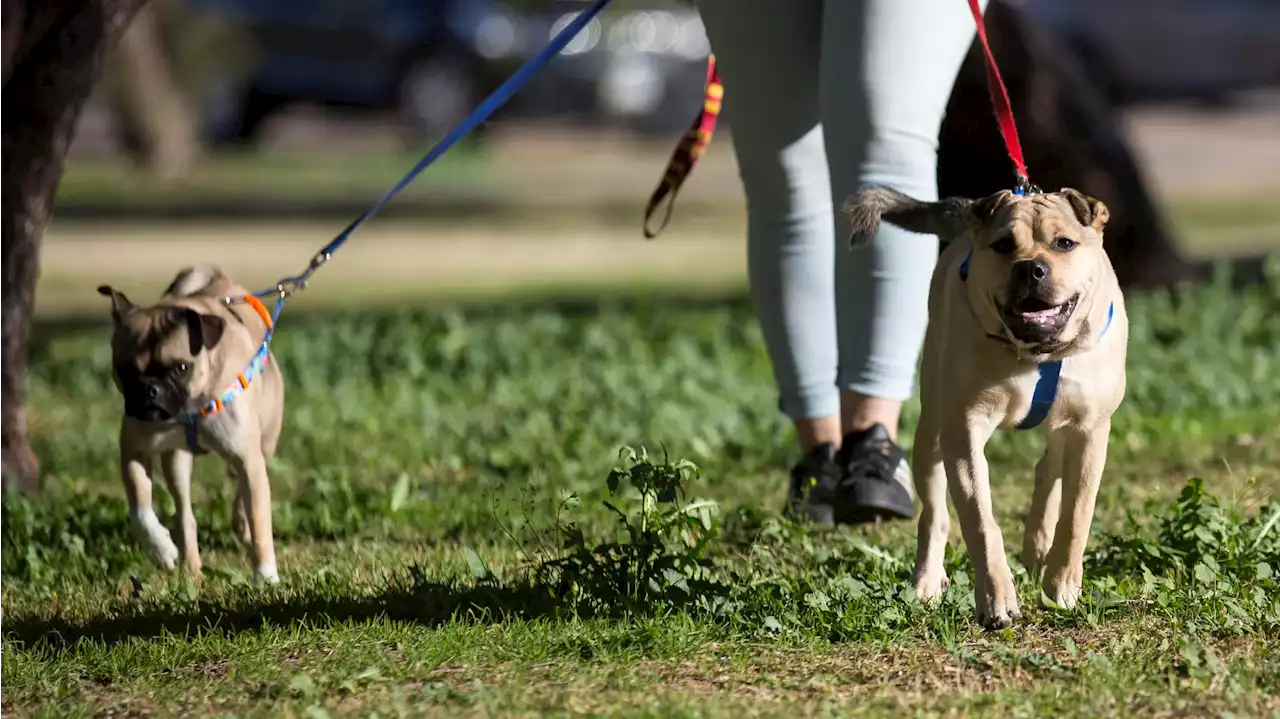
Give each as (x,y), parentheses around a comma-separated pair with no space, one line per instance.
(153,391)
(1030,272)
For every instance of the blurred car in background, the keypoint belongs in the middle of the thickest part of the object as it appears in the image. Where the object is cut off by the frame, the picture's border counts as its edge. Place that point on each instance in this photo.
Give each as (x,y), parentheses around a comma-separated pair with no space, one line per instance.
(432,61)
(1168,50)
(419,58)
(642,70)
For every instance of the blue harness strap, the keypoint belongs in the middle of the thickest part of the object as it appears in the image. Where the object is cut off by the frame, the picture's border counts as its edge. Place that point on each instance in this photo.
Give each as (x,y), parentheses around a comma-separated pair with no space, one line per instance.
(1046,389)
(1043,395)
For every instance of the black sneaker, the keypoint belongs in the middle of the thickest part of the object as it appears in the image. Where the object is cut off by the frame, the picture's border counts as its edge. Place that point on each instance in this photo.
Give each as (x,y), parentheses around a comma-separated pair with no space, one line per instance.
(814,482)
(876,482)
(867,480)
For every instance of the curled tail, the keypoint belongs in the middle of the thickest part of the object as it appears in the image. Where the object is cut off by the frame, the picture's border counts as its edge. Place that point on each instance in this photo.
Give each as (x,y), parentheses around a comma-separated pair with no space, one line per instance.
(945,218)
(203,279)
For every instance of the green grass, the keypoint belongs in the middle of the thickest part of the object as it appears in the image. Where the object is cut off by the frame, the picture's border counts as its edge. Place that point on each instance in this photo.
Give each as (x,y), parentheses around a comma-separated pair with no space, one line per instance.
(446,549)
(281,176)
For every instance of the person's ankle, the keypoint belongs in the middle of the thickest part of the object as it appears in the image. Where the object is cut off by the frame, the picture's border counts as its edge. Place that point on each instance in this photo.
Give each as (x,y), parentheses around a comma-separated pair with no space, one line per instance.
(859,412)
(816,431)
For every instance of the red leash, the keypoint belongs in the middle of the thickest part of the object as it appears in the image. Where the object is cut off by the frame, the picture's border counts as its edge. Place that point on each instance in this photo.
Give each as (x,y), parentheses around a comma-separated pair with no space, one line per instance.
(1000,103)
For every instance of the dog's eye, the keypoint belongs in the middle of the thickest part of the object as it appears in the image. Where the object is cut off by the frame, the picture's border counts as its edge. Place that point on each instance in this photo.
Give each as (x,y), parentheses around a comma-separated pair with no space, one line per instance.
(181,368)
(1004,246)
(1062,244)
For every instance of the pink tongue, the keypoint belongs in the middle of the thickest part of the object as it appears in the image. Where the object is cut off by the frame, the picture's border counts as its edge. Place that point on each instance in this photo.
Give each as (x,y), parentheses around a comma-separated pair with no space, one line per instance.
(1040,314)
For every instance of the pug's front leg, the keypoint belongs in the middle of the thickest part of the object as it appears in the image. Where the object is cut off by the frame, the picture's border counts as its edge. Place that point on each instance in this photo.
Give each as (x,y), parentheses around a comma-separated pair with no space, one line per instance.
(930,575)
(177,466)
(967,476)
(1084,457)
(151,534)
(251,470)
(1046,500)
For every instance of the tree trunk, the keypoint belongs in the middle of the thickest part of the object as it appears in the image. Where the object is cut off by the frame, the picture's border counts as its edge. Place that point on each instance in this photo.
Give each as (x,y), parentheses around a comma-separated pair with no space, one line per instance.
(153,106)
(1071,137)
(53,52)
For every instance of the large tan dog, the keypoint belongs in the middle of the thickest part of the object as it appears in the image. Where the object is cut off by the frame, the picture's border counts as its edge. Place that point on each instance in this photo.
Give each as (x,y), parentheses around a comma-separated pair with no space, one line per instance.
(1024,305)
(196,377)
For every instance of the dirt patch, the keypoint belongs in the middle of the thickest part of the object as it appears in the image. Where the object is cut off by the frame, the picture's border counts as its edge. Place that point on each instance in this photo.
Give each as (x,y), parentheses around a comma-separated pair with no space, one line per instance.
(390,259)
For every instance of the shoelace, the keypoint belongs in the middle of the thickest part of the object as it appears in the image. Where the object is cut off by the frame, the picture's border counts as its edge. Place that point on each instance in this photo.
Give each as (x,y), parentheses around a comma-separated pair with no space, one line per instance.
(870,460)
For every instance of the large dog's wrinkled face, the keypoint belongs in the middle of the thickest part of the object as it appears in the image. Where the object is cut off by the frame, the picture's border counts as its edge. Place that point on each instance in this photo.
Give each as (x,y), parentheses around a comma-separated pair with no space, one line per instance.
(161,356)
(1035,258)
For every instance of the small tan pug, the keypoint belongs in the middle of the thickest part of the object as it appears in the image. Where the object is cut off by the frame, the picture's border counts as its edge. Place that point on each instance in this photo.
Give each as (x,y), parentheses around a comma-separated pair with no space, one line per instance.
(1024,284)
(189,353)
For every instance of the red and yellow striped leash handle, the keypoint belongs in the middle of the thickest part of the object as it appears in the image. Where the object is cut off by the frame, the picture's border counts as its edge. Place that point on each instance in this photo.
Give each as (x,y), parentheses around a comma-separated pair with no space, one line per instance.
(687,152)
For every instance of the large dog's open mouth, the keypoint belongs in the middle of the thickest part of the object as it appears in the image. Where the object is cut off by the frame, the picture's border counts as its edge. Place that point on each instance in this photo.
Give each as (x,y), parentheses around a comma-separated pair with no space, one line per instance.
(1036,320)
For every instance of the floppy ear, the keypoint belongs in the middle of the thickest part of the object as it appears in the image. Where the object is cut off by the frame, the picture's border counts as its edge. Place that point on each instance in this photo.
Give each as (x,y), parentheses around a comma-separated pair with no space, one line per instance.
(1090,211)
(120,305)
(865,209)
(204,331)
(981,211)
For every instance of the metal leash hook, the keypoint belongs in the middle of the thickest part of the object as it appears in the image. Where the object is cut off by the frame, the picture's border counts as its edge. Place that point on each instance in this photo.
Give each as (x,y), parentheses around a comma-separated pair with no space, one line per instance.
(1022,185)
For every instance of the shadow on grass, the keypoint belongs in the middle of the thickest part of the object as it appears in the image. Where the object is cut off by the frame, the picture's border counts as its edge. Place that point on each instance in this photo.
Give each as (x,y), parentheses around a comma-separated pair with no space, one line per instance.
(427,603)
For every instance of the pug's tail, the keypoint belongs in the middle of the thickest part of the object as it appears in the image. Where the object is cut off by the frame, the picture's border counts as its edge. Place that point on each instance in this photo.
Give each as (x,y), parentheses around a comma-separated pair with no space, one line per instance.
(202,279)
(944,218)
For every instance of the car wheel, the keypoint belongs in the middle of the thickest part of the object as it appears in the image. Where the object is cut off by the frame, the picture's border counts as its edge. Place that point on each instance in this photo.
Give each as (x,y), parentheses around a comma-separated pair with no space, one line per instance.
(435,95)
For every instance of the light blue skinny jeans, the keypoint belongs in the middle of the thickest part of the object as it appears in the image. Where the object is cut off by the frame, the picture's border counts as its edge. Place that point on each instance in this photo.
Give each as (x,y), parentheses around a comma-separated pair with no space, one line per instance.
(825,97)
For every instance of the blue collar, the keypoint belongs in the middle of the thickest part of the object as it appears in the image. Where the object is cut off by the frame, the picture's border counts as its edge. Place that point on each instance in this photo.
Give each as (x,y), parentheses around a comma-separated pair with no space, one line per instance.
(1047,385)
(256,366)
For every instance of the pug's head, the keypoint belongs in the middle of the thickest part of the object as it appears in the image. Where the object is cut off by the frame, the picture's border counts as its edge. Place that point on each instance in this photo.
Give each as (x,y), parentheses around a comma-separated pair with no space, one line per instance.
(162,356)
(1036,258)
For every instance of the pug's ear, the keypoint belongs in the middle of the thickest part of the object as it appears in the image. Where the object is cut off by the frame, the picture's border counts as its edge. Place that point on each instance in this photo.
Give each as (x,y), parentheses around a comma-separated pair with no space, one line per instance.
(981,212)
(120,305)
(1090,211)
(204,331)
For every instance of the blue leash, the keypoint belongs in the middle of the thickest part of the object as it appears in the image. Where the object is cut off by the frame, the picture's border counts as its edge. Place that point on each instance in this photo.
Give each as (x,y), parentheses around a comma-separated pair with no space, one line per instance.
(287,286)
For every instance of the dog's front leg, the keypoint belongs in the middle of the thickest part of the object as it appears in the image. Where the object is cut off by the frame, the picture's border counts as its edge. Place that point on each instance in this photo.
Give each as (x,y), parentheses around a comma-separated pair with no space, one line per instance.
(1046,502)
(251,470)
(154,538)
(240,508)
(967,476)
(1084,456)
(931,486)
(177,473)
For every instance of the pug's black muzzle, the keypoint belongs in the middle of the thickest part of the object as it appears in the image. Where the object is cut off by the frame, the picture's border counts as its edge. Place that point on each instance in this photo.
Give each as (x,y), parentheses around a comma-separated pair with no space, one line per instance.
(152,400)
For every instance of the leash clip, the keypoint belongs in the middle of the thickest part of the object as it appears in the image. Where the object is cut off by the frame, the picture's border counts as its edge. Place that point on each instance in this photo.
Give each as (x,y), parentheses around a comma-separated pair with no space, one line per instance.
(1022,185)
(319,259)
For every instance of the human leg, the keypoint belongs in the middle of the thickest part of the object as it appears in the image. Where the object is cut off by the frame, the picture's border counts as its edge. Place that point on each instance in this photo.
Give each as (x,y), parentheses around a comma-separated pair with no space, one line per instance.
(768,54)
(887,71)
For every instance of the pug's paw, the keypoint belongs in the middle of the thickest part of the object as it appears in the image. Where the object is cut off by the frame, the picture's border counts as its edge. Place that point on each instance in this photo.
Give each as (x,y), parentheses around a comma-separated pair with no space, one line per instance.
(931,583)
(155,540)
(267,574)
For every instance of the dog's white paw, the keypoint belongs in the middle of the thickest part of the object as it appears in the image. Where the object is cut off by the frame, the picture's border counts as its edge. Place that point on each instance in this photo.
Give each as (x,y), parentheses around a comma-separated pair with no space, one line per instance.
(931,583)
(997,602)
(267,574)
(1063,586)
(155,540)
